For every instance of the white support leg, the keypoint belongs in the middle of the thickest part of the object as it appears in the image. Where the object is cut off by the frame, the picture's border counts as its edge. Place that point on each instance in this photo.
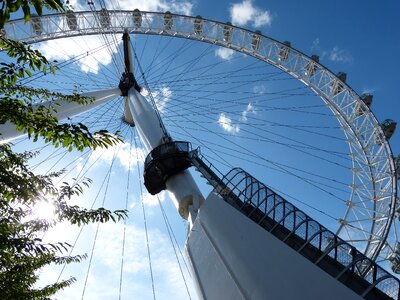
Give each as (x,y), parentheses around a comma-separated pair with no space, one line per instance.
(183,188)
(65,110)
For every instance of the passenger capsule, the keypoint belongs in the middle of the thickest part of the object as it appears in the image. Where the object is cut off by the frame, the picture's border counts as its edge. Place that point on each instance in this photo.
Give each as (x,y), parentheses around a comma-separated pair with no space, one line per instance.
(37,26)
(227,31)
(394,258)
(284,51)
(168,21)
(367,99)
(72,21)
(105,20)
(311,67)
(198,25)
(256,40)
(338,85)
(137,18)
(388,127)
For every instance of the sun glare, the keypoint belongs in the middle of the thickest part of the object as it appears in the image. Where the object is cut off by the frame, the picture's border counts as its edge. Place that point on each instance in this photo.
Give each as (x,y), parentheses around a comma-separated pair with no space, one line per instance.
(43,210)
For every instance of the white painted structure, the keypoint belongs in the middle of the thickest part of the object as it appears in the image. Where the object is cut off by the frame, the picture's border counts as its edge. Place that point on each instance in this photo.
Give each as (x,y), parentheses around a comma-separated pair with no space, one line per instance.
(64,110)
(182,187)
(234,258)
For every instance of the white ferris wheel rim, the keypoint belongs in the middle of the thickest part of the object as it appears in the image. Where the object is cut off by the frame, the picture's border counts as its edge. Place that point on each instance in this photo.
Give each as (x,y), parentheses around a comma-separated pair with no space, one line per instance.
(370,152)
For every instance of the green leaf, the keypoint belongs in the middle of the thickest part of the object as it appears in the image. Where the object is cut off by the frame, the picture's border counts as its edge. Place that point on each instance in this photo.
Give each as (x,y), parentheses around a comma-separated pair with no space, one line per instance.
(27,12)
(22,252)
(38,7)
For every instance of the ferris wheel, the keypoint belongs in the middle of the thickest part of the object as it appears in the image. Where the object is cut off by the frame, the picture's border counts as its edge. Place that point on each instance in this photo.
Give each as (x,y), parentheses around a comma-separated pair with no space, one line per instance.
(246,100)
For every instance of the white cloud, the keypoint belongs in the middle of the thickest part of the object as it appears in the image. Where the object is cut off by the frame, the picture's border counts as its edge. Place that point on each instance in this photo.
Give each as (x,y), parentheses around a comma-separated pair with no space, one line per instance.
(136,263)
(69,233)
(78,5)
(161,96)
(263,18)
(225,53)
(315,45)
(152,200)
(249,110)
(79,164)
(226,123)
(104,277)
(64,49)
(339,55)
(125,153)
(369,90)
(245,12)
(260,89)
(180,7)
(83,47)
(335,54)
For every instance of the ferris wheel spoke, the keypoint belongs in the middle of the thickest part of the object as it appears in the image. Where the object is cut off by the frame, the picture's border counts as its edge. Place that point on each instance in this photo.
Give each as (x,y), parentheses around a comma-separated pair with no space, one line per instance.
(304,149)
(277,166)
(271,140)
(255,159)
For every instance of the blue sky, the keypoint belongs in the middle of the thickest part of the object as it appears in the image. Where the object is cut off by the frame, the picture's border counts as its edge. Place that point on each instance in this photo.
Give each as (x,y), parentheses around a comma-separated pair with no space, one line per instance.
(359,39)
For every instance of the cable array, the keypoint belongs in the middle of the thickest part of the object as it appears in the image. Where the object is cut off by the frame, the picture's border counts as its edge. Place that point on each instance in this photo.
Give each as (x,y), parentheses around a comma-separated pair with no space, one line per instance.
(191,87)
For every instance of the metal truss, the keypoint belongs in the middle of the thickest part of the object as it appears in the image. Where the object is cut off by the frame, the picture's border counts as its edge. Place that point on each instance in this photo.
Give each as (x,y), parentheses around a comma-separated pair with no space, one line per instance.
(371,205)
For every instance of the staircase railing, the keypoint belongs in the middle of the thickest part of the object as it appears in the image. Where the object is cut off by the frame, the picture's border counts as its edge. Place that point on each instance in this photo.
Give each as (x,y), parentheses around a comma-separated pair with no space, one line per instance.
(295,228)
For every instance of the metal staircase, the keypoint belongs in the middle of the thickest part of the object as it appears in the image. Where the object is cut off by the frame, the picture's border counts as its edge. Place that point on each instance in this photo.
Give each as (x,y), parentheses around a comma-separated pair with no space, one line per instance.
(300,232)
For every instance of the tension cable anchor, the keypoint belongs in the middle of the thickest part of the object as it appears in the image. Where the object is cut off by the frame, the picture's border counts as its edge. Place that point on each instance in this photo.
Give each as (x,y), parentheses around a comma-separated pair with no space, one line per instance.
(127,82)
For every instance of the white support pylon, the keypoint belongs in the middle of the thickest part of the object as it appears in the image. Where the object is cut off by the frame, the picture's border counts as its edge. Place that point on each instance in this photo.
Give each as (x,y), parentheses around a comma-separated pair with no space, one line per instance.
(182,187)
(64,110)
